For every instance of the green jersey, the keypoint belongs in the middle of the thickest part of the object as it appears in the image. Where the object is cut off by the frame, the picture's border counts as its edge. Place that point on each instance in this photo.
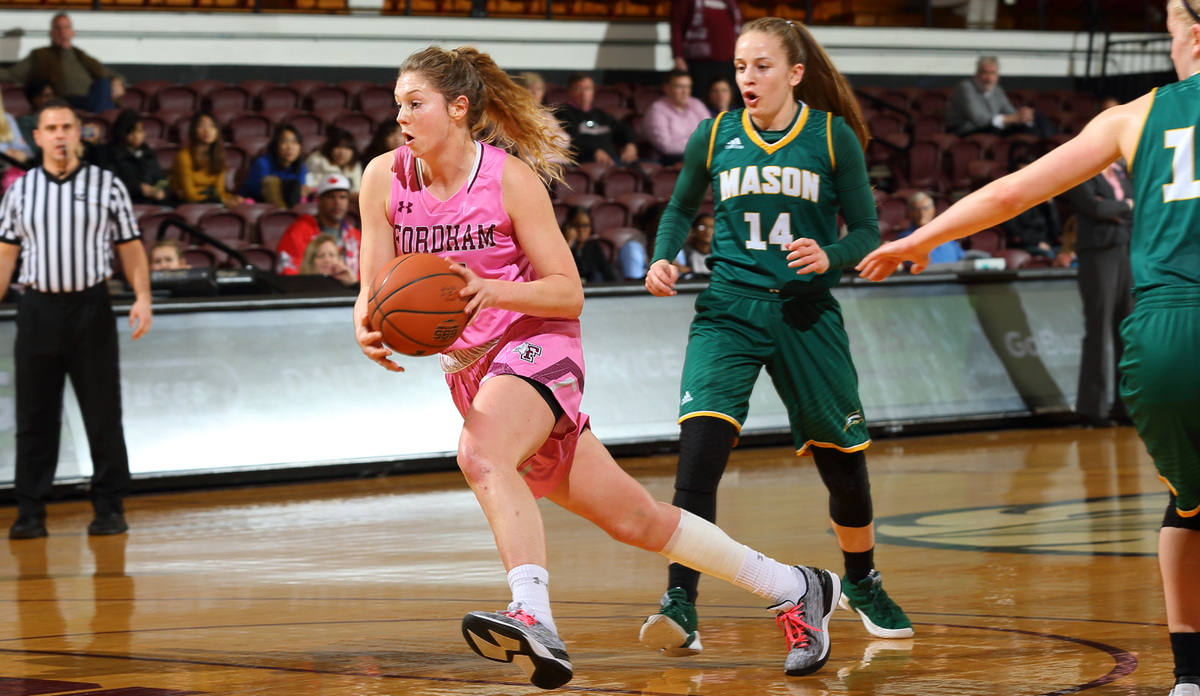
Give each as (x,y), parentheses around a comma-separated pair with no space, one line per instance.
(770,188)
(1165,246)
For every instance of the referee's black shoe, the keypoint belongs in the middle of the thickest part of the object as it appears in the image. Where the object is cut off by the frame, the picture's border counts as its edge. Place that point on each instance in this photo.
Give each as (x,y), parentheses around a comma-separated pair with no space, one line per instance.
(27,527)
(107,525)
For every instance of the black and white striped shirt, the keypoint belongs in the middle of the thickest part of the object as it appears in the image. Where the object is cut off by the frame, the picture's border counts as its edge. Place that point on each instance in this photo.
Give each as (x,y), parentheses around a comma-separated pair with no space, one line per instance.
(66,227)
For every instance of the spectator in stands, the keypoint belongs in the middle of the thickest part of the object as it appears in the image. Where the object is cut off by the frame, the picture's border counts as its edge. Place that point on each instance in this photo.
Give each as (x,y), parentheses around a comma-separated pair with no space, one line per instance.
(979,105)
(37,93)
(596,135)
(278,177)
(537,89)
(703,34)
(698,247)
(12,143)
(1036,230)
(77,77)
(133,161)
(719,96)
(322,257)
(338,155)
(198,172)
(670,121)
(167,255)
(921,211)
(1104,213)
(386,139)
(333,201)
(590,256)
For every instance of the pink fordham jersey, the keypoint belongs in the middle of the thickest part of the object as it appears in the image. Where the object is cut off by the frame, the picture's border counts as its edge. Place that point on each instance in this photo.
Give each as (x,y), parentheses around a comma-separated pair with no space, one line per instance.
(471,228)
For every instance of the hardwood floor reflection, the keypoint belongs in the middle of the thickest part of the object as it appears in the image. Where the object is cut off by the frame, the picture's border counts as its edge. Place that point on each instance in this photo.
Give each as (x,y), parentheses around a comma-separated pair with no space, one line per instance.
(1024,557)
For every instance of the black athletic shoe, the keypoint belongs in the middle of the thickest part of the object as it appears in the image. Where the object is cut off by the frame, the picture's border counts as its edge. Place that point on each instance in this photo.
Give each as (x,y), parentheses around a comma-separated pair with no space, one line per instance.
(27,527)
(515,636)
(107,525)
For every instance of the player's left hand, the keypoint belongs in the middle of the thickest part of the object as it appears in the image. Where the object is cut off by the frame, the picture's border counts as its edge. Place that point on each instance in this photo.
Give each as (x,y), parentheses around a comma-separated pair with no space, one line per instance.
(140,318)
(807,256)
(483,292)
(884,261)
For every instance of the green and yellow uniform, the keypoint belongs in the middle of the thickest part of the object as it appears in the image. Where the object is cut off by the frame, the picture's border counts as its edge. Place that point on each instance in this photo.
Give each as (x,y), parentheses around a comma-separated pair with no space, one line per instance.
(770,188)
(1161,364)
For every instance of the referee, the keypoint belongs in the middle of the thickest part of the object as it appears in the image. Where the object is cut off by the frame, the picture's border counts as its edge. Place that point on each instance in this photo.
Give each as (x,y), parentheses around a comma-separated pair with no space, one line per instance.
(63,216)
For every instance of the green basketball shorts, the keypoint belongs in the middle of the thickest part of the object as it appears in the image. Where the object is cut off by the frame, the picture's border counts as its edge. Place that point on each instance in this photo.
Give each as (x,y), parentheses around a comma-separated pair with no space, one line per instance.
(1160,384)
(801,341)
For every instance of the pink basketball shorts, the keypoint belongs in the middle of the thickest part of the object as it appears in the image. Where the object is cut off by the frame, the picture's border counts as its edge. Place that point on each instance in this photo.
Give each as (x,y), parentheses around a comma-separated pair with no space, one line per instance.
(548,351)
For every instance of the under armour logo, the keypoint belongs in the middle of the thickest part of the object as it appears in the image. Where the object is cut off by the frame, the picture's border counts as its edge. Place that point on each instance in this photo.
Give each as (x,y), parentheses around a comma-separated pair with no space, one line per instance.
(404,207)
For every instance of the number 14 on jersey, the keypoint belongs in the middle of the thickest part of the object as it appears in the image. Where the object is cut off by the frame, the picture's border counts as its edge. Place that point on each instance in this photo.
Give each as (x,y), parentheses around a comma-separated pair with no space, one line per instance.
(781,232)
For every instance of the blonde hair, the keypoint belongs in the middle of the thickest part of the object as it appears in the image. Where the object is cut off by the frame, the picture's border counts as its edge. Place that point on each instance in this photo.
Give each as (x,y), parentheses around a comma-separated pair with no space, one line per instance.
(823,87)
(499,111)
(169,244)
(1180,9)
(308,266)
(531,79)
(6,134)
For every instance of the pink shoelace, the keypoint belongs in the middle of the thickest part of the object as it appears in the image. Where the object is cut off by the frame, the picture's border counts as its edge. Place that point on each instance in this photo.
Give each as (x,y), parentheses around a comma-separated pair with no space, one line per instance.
(521,616)
(793,627)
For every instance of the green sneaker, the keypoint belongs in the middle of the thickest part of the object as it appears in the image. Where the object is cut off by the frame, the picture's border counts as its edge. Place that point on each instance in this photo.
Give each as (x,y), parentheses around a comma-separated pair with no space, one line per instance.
(673,629)
(882,617)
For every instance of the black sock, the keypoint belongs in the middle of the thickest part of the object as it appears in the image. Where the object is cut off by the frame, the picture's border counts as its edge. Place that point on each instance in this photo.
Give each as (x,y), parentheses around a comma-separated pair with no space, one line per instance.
(1186,647)
(859,565)
(684,577)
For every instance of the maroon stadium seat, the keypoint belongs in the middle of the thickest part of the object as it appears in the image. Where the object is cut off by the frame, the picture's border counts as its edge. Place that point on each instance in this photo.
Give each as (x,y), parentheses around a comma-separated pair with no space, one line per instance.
(156,130)
(329,115)
(249,125)
(608,98)
(277,115)
(258,256)
(253,145)
(135,99)
(925,127)
(662,182)
(574,182)
(924,167)
(376,97)
(151,87)
(988,241)
(192,212)
(644,99)
(199,257)
(356,124)
(271,226)
(560,214)
(961,155)
(177,98)
(932,104)
(229,97)
(15,102)
(636,203)
(593,171)
(618,181)
(893,213)
(608,215)
(1047,102)
(1014,258)
(308,125)
(584,200)
(328,97)
(305,208)
(620,236)
(279,98)
(354,87)
(307,87)
(255,87)
(150,222)
(224,225)
(205,87)
(166,155)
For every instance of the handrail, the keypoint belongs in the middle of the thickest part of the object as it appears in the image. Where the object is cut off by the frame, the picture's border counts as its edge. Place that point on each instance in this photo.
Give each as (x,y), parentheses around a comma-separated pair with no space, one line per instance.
(193,231)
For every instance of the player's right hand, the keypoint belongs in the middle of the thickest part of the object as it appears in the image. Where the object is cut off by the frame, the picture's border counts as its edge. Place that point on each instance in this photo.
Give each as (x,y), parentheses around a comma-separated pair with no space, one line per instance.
(660,279)
(884,261)
(372,346)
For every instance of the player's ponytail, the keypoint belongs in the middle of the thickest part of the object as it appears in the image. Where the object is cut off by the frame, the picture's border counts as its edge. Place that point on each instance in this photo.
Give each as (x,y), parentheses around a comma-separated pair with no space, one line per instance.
(499,111)
(823,87)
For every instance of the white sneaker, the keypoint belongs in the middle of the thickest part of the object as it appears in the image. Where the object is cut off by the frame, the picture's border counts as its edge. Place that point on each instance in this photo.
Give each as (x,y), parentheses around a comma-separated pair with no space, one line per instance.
(1185,690)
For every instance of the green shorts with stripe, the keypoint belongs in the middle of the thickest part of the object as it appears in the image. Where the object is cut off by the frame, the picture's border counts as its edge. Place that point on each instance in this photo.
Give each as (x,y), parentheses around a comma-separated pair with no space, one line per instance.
(1160,384)
(801,341)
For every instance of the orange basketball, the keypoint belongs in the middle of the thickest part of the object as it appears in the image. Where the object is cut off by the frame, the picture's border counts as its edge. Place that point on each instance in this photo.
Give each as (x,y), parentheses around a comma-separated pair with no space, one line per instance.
(415,303)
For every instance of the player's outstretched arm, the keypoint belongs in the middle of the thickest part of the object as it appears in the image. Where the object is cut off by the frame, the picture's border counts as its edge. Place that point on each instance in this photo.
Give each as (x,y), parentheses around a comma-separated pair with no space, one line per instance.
(377,249)
(1107,137)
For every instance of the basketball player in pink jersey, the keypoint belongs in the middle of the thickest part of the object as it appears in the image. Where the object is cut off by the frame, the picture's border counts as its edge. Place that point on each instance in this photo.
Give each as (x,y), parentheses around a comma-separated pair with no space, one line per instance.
(516,373)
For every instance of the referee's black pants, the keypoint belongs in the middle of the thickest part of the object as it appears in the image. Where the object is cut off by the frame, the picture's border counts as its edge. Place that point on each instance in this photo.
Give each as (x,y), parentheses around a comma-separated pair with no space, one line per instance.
(60,334)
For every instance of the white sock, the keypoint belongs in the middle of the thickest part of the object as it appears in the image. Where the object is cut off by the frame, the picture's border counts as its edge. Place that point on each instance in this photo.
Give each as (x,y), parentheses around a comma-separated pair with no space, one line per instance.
(770,579)
(530,585)
(700,544)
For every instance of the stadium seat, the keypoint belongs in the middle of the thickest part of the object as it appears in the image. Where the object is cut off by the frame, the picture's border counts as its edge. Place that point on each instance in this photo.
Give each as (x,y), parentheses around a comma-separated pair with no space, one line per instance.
(961,155)
(584,200)
(177,123)
(885,124)
(925,127)
(619,180)
(155,129)
(278,97)
(573,182)
(376,97)
(607,215)
(224,225)
(271,226)
(203,88)
(177,98)
(608,98)
(251,212)
(309,126)
(305,208)
(643,99)
(356,124)
(931,104)
(989,241)
(15,102)
(331,114)
(662,182)
(249,125)
(1047,102)
(192,212)
(328,97)
(986,141)
(150,223)
(151,87)
(258,256)
(229,97)
(354,87)
(620,236)
(306,87)
(140,209)
(253,145)
(893,213)
(981,172)
(199,257)
(636,203)
(133,98)
(923,170)
(560,214)
(1013,258)
(593,171)
(381,114)
(166,155)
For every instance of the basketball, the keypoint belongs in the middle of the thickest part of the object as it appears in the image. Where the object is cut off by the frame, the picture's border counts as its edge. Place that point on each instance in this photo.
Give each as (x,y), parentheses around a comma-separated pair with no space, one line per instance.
(415,303)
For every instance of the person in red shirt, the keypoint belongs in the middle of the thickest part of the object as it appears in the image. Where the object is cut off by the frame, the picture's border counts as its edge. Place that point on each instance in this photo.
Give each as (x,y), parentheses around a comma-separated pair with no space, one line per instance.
(333,201)
(703,33)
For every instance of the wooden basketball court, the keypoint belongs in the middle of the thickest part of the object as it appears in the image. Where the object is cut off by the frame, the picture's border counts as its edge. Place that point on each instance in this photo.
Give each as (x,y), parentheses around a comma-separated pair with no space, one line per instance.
(1025,558)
